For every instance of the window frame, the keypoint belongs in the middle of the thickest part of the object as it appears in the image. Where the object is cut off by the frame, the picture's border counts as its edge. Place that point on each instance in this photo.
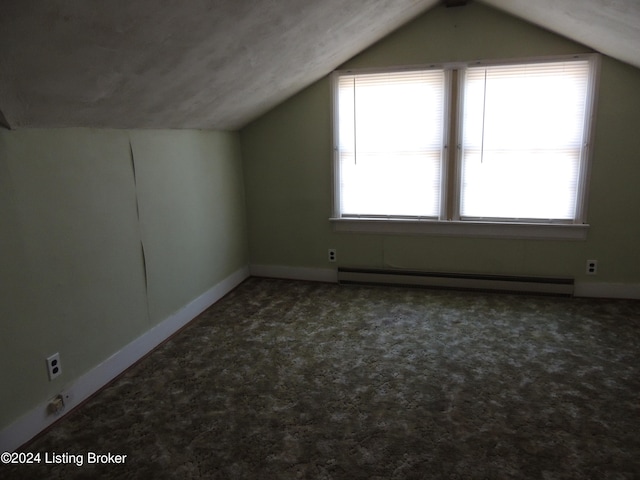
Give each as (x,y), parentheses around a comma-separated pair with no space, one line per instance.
(450,223)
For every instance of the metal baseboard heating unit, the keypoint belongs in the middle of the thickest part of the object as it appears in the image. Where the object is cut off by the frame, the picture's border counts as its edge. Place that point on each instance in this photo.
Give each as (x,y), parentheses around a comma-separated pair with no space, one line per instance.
(457,281)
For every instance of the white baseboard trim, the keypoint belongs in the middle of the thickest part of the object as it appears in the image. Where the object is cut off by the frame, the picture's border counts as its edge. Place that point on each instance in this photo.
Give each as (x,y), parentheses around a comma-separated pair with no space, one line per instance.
(582,289)
(608,290)
(36,420)
(295,273)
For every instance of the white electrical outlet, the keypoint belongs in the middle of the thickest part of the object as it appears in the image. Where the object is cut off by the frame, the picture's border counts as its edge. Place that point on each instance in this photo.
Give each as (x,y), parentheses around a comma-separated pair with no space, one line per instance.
(54,367)
(592,267)
(333,255)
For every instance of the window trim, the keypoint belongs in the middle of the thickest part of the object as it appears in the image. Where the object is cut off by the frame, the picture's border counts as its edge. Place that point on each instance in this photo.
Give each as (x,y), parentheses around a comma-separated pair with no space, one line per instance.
(450,223)
(457,228)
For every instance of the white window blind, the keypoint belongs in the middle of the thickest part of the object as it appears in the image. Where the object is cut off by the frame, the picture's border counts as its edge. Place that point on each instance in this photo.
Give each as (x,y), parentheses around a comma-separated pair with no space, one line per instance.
(390,143)
(523,140)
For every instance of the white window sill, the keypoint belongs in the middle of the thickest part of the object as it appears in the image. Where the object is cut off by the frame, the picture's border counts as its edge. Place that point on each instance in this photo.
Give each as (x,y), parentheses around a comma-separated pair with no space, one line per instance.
(559,231)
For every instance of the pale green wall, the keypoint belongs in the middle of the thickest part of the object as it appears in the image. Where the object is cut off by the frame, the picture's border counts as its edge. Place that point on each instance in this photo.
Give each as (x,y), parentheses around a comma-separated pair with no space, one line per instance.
(72,278)
(192,213)
(287,162)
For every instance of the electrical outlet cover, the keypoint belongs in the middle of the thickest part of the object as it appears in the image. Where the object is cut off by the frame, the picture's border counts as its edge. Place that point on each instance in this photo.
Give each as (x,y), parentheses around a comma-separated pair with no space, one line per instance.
(53,366)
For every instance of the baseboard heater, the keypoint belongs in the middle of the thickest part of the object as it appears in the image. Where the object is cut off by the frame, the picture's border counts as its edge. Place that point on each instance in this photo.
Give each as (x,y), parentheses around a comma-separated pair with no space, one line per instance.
(457,281)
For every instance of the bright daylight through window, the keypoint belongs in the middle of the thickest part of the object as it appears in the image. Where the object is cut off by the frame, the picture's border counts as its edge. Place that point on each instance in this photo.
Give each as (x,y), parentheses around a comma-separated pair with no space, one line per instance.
(520,133)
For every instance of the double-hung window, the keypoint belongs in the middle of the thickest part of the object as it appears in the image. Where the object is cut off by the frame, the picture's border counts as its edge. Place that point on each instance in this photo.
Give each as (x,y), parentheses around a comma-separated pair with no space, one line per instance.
(476,145)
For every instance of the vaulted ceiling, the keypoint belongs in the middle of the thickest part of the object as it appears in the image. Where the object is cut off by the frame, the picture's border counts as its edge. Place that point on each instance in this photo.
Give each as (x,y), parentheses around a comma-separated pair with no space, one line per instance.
(218,64)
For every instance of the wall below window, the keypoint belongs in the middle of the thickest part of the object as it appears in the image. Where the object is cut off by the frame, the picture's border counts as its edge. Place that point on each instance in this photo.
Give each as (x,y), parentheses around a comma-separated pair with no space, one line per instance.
(288,168)
(104,234)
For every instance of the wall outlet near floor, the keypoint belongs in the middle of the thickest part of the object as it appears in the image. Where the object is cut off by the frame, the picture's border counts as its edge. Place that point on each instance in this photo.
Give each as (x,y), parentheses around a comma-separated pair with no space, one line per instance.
(56,405)
(592,267)
(333,255)
(53,366)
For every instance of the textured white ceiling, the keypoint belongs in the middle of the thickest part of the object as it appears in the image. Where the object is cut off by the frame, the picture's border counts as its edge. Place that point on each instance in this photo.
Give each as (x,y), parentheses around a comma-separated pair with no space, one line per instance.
(210,64)
(218,64)
(611,27)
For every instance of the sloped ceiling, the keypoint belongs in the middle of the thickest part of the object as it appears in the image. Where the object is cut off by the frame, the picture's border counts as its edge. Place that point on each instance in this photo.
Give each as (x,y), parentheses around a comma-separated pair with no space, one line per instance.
(210,64)
(611,27)
(218,64)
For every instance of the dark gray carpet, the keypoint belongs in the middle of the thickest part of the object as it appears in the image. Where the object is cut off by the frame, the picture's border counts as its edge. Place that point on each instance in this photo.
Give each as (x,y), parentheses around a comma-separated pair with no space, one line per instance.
(284,379)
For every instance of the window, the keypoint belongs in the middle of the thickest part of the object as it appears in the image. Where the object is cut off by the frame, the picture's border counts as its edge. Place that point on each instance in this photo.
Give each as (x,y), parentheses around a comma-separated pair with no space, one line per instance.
(391,137)
(519,131)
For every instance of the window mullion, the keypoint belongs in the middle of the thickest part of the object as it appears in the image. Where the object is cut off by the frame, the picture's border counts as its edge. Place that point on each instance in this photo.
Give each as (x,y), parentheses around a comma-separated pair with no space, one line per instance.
(452,154)
(446,147)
